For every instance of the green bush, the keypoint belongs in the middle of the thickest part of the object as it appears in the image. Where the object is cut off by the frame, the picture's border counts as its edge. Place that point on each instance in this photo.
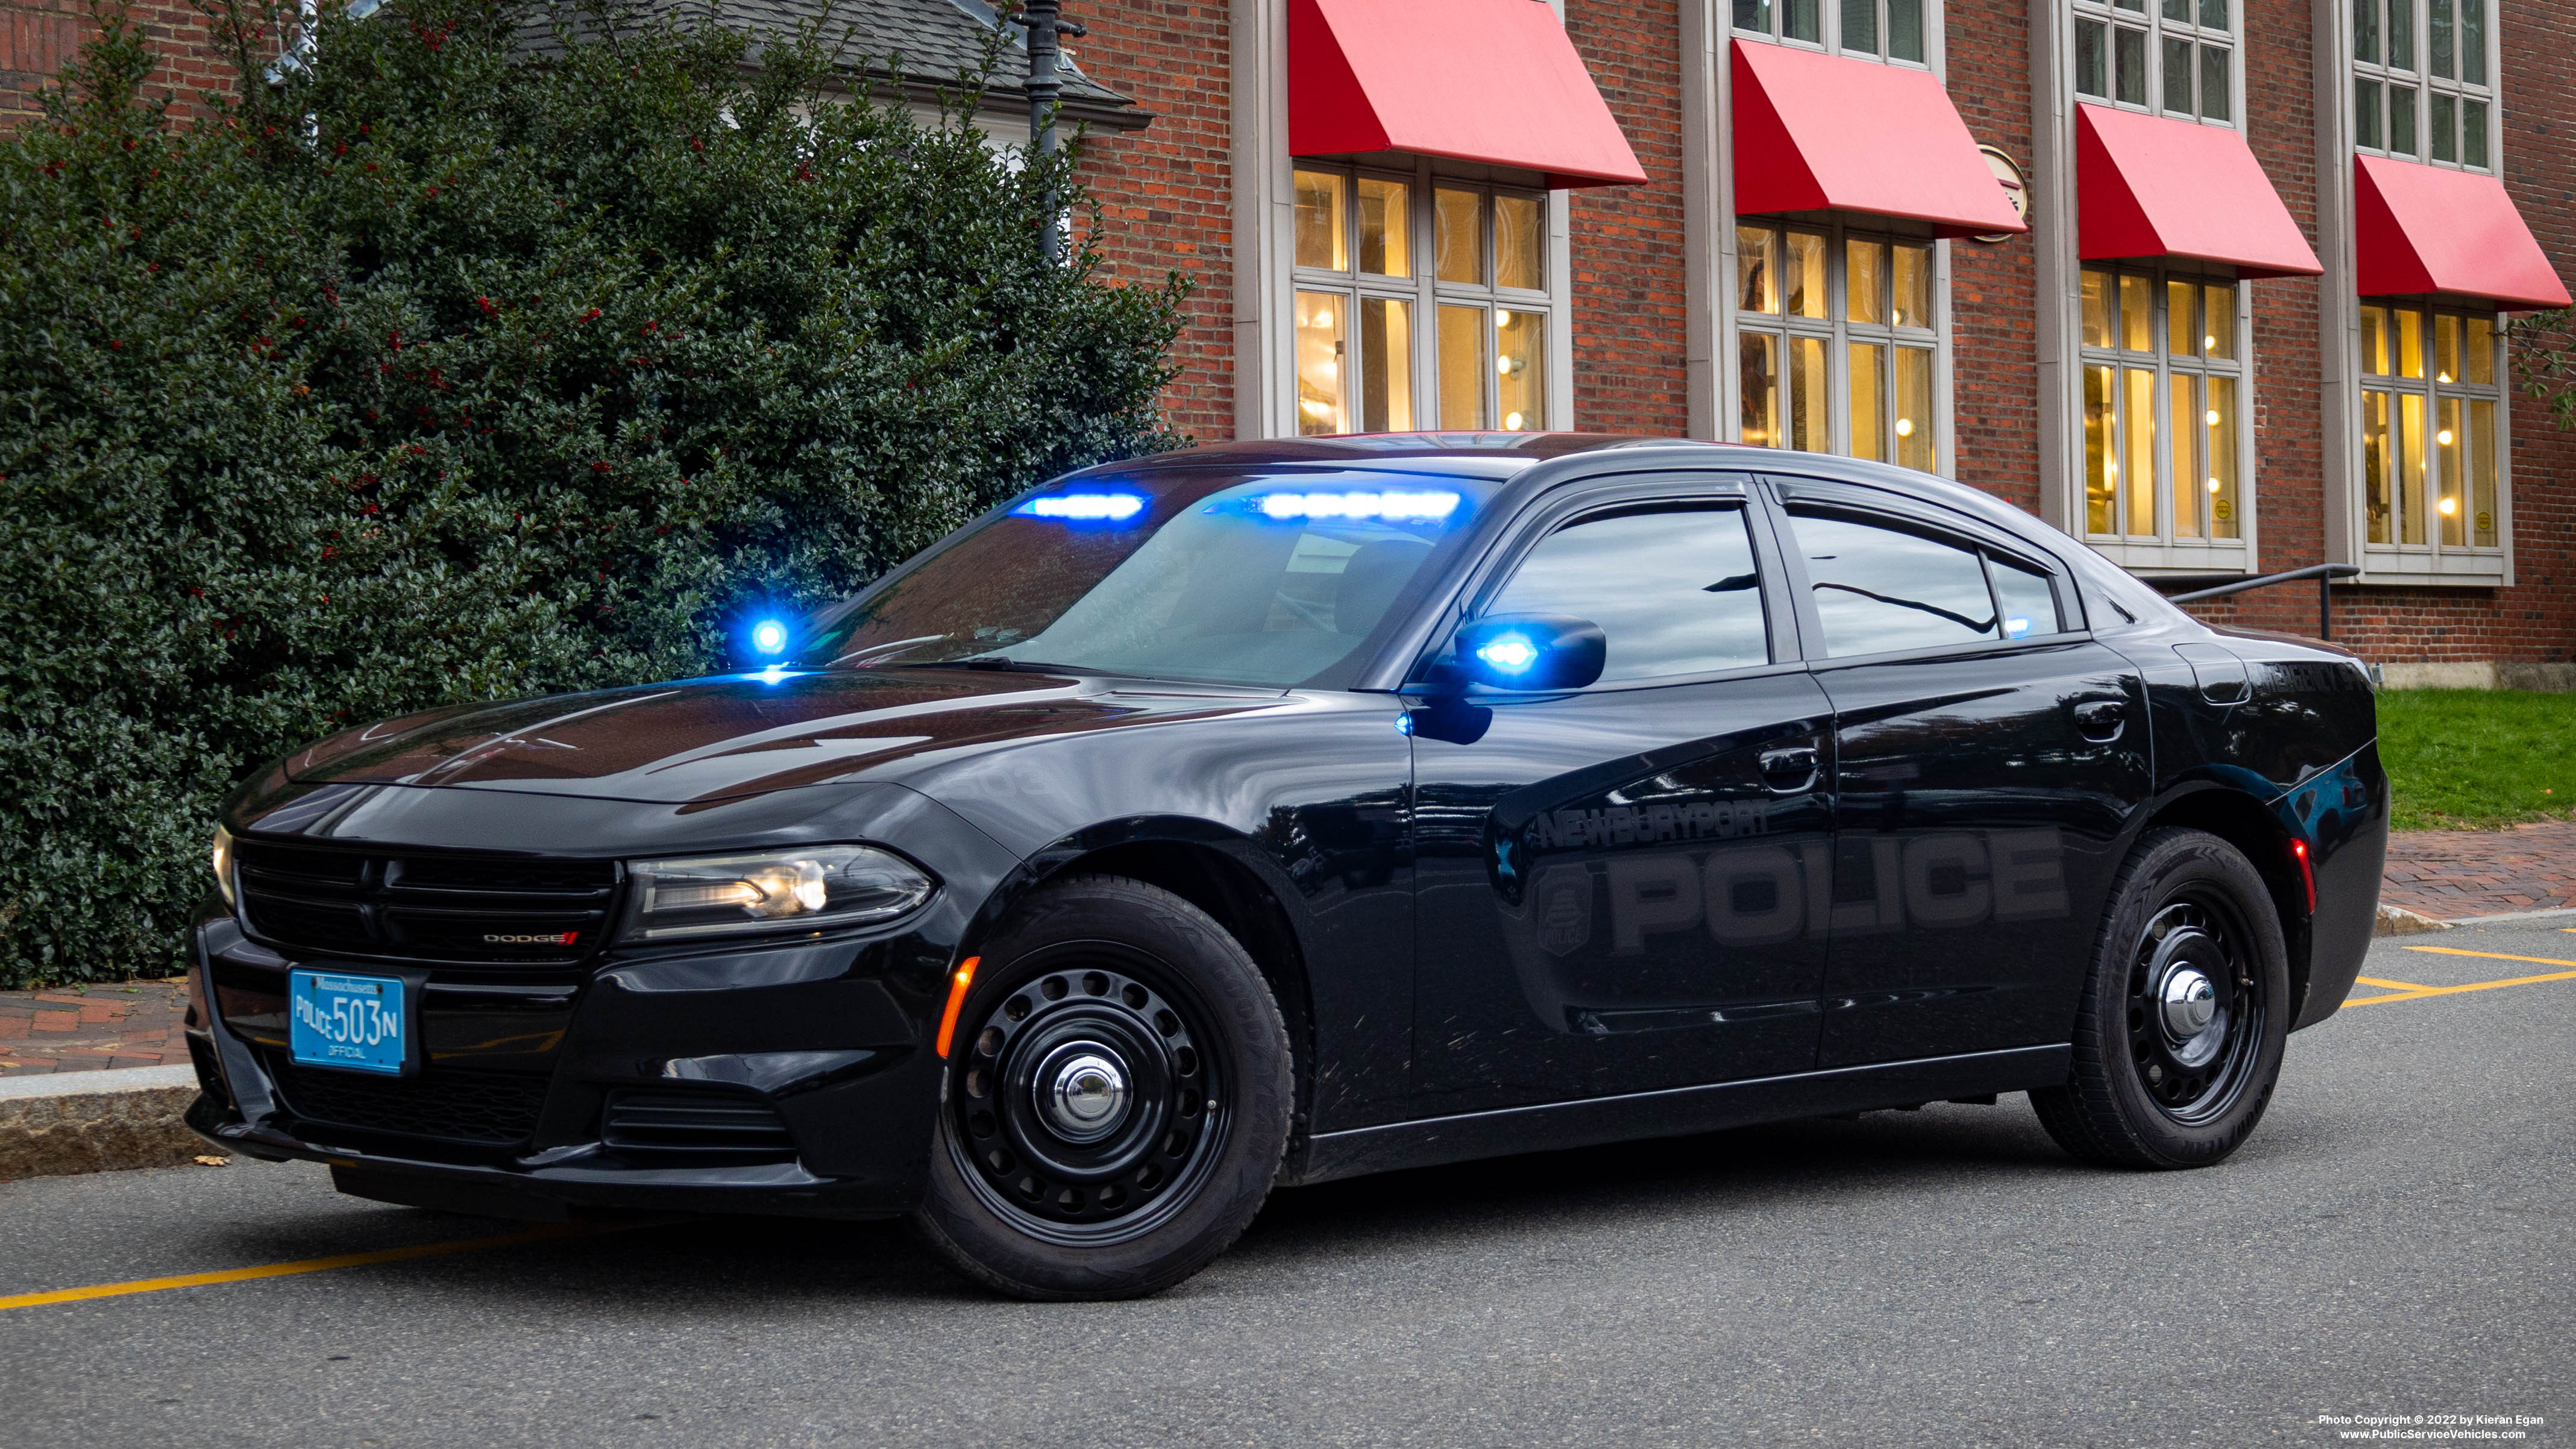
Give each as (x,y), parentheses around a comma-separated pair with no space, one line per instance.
(447,367)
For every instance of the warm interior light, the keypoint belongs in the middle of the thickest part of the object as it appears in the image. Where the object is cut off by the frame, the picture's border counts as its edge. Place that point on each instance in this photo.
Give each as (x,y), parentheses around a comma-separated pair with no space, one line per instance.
(1905,427)
(1502,318)
(2213,485)
(2441,377)
(1313,408)
(1511,422)
(2450,506)
(2210,417)
(2209,344)
(1503,365)
(2443,437)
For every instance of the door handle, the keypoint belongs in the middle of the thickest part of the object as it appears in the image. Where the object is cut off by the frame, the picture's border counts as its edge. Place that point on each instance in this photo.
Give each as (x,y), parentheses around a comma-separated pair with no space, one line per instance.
(1791,770)
(2100,721)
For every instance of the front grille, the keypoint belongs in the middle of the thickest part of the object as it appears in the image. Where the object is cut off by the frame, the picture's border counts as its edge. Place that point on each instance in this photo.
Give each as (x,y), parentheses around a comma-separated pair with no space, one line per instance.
(426,907)
(480,1107)
(696,1123)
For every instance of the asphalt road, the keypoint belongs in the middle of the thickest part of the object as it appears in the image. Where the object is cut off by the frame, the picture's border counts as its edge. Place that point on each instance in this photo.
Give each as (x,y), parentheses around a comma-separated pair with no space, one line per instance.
(2395,1240)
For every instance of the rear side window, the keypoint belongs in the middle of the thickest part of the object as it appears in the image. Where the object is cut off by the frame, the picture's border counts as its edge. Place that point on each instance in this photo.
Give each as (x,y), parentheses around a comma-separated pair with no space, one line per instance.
(1878,590)
(2028,601)
(1675,591)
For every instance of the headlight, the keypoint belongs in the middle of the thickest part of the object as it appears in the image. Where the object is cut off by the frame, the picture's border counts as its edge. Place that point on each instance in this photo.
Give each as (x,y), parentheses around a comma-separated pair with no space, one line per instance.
(776,890)
(224,866)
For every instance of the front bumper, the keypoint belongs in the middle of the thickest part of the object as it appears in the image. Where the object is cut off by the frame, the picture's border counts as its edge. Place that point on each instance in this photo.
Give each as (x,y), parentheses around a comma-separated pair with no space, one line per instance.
(827,1042)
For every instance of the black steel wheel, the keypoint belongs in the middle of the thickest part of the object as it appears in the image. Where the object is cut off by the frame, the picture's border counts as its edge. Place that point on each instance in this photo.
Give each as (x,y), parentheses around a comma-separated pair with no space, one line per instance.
(2177,1042)
(1116,1100)
(1084,1105)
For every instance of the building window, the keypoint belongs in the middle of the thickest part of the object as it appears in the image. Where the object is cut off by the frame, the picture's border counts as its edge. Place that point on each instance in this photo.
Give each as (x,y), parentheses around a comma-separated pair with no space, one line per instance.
(2165,446)
(2167,57)
(2432,460)
(1881,29)
(1422,301)
(2422,82)
(1837,345)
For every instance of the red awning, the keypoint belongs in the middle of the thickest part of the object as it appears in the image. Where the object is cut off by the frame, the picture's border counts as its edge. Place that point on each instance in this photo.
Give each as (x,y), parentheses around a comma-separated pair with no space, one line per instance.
(2149,186)
(2429,229)
(1495,81)
(1824,132)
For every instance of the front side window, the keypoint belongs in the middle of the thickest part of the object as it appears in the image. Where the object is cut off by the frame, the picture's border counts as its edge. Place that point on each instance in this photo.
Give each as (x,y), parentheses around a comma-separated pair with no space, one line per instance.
(1675,591)
(2423,85)
(2164,379)
(1187,574)
(1421,302)
(1879,589)
(2167,57)
(2430,431)
(1878,29)
(1836,343)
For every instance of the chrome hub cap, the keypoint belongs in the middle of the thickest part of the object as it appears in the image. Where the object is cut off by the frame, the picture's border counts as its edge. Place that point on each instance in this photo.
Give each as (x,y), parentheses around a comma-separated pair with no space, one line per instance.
(1085,1092)
(2190,1004)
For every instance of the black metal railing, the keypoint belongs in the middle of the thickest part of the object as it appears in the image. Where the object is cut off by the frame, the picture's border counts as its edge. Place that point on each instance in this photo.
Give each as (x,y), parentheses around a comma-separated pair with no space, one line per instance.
(2324,574)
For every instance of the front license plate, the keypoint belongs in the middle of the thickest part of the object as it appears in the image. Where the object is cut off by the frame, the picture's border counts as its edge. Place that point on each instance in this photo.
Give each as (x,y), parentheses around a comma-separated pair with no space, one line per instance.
(357,1022)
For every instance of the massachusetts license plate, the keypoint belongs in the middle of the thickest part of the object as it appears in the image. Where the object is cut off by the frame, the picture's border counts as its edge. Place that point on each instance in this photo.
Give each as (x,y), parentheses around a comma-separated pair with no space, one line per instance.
(347,1021)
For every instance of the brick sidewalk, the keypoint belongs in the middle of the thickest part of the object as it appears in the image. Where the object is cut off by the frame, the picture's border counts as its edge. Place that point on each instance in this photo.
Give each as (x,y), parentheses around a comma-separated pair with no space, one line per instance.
(86,1028)
(2446,874)
(2450,874)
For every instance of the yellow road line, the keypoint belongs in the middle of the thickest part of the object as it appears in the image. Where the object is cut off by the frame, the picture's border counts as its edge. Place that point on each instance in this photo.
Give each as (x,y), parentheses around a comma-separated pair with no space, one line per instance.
(2492,956)
(279,1270)
(2391,985)
(2418,993)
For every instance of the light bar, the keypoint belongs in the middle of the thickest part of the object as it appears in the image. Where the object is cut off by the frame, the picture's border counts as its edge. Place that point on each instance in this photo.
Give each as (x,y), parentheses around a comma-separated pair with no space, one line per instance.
(1392,507)
(1087,507)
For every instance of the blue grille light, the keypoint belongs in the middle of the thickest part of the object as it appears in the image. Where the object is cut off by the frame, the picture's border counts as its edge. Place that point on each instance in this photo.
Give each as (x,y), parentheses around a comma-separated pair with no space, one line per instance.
(1393,507)
(1511,654)
(1085,507)
(769,636)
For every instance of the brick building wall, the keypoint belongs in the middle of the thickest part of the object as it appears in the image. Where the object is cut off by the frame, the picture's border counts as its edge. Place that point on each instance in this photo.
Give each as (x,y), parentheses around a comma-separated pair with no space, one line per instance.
(39,37)
(1167,198)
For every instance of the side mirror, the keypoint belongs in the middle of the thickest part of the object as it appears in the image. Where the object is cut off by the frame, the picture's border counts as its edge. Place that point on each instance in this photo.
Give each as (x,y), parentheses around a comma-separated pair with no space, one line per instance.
(1531,651)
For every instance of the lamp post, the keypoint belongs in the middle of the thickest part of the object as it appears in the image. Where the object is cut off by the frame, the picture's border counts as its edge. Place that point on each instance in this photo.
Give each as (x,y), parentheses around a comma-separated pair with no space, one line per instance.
(1046,87)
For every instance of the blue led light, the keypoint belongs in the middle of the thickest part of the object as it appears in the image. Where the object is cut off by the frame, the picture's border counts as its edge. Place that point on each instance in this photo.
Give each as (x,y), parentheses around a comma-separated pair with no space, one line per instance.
(2015,628)
(1427,506)
(1511,654)
(769,636)
(1404,724)
(1085,507)
(776,673)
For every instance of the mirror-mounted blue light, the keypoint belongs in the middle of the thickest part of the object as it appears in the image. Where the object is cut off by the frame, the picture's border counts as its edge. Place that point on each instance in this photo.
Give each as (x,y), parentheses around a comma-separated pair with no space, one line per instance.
(1393,506)
(769,636)
(1511,654)
(1085,507)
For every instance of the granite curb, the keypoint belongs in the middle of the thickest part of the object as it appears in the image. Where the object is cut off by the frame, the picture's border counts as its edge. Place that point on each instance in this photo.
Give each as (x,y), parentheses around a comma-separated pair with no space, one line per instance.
(97,1121)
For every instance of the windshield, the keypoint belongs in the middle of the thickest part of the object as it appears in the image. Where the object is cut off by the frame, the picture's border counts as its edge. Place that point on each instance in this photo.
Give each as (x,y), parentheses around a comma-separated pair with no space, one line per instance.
(1187,574)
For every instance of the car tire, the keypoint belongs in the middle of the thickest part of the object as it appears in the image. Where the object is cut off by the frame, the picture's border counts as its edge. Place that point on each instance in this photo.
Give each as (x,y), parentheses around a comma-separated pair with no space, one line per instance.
(2177,1042)
(1116,1101)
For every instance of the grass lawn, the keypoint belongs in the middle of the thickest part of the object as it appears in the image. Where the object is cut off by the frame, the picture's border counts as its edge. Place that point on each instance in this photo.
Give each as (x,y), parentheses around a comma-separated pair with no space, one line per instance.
(2462,759)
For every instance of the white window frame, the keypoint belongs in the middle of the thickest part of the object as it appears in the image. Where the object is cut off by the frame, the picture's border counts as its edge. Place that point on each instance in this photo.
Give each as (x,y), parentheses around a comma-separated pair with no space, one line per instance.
(1265,234)
(2426,86)
(2060,269)
(2432,556)
(1839,333)
(2169,548)
(1830,26)
(2339,305)
(1427,293)
(1711,361)
(2154,21)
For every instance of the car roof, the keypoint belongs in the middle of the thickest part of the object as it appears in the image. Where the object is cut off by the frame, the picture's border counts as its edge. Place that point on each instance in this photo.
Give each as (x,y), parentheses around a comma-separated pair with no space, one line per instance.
(1502,456)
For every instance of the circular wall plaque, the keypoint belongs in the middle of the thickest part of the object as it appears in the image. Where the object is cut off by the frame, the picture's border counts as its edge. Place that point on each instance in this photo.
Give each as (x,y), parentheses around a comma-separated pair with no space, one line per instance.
(2008,176)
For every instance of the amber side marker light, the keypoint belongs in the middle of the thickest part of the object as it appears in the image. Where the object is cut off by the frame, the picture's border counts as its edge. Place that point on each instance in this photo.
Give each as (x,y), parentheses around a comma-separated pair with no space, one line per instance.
(964,978)
(2299,848)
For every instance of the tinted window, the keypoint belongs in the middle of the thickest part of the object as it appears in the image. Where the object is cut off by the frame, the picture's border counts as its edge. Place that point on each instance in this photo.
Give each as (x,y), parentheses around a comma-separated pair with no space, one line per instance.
(1674,590)
(2029,604)
(1877,589)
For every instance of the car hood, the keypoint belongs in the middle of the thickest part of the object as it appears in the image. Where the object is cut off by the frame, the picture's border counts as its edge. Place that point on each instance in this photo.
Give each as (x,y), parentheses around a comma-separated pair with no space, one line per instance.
(703,740)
